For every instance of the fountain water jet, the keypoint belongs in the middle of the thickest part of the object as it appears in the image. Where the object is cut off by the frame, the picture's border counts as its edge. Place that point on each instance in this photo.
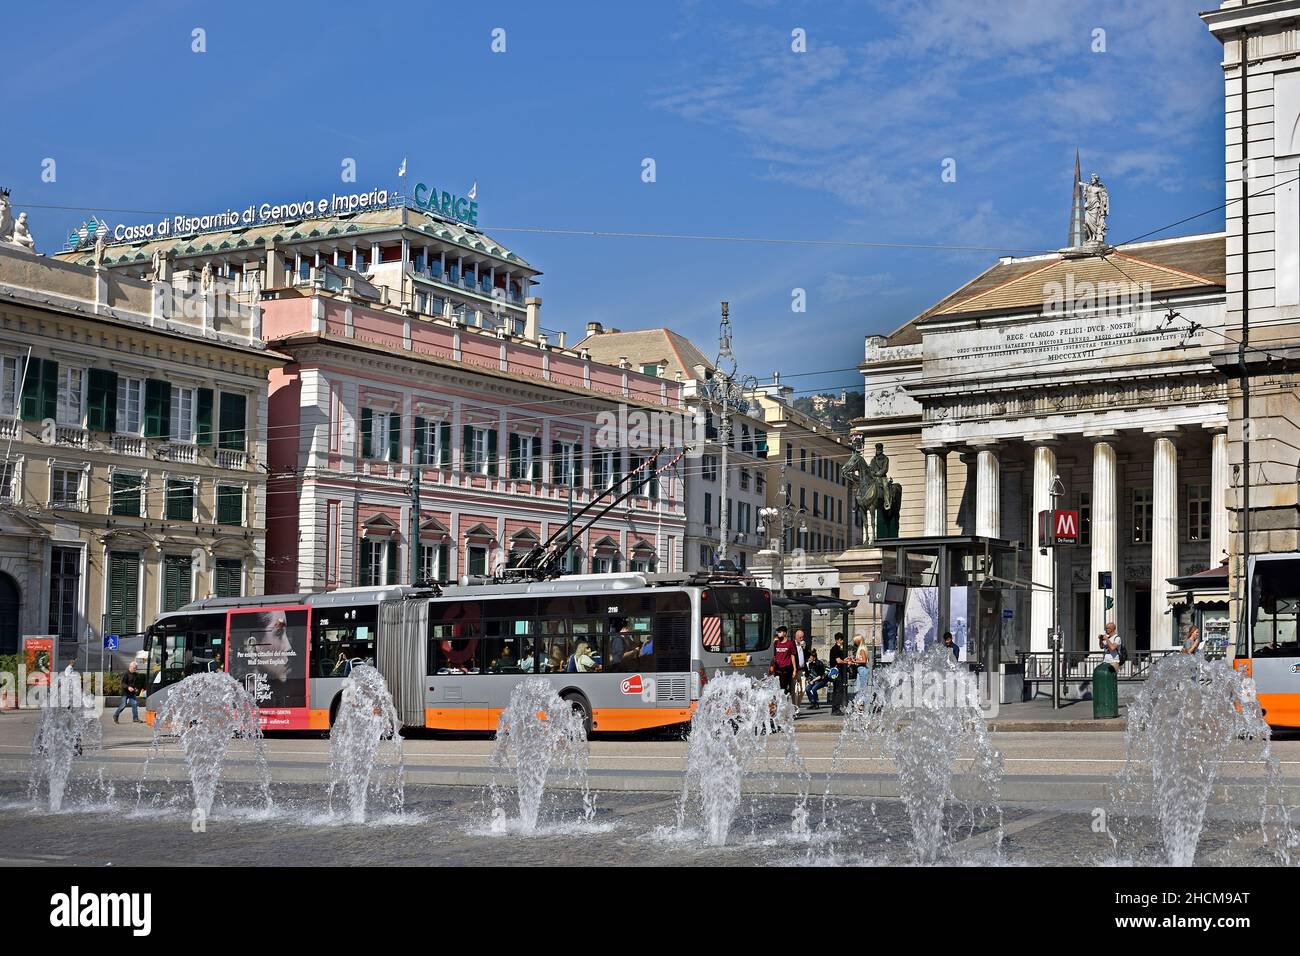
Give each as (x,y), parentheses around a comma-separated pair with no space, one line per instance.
(68,727)
(365,738)
(923,710)
(207,711)
(537,727)
(1191,715)
(730,730)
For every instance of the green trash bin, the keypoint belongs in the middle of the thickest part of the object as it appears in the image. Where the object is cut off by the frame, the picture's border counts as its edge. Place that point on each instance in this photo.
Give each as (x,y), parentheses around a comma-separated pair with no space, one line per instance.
(1105,692)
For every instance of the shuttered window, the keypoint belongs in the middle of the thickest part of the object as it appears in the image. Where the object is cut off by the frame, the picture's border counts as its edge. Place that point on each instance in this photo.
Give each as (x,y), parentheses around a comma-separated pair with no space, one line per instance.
(157,409)
(123,592)
(126,495)
(232,421)
(180,500)
(229,578)
(177,581)
(230,505)
(41,390)
(101,400)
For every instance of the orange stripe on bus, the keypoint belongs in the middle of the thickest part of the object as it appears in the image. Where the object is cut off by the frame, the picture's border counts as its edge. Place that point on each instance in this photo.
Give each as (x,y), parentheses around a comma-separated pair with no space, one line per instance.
(613,719)
(1281,710)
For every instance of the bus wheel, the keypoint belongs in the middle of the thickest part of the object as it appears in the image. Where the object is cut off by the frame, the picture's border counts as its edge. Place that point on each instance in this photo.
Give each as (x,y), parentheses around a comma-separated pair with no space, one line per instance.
(579,703)
(334,711)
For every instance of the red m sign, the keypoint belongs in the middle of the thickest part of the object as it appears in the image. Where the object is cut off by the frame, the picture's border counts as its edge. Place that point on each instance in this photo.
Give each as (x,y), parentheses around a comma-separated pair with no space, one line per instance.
(1065,527)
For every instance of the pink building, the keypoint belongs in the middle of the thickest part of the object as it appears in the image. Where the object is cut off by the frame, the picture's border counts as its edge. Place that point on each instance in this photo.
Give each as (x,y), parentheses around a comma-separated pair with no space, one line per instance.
(415,337)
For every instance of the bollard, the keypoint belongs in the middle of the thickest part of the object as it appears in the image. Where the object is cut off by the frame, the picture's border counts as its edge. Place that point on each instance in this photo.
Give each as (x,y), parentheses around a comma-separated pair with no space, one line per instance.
(1105,692)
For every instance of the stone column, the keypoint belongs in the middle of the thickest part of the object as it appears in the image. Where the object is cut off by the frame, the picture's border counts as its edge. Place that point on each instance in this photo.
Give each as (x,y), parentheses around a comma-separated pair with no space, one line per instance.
(936,492)
(1164,537)
(1104,533)
(1040,602)
(988,495)
(1218,496)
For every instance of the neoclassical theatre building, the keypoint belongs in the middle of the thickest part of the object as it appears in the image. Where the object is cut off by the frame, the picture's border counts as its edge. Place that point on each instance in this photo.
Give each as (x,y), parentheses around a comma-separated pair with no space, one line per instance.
(1091,364)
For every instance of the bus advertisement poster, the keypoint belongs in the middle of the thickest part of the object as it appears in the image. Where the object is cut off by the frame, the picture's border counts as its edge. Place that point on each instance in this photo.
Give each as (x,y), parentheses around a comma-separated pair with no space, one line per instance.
(268,655)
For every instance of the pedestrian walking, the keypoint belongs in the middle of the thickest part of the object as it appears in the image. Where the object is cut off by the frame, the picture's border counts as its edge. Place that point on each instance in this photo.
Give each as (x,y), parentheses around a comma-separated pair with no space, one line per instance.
(132,684)
(785,660)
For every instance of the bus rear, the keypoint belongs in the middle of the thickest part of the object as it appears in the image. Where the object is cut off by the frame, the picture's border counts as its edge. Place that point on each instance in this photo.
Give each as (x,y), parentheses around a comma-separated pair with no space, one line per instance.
(1267,647)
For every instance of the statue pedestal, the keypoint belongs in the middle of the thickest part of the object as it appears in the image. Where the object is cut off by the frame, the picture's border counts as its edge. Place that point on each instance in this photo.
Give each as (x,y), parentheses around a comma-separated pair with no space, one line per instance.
(859,568)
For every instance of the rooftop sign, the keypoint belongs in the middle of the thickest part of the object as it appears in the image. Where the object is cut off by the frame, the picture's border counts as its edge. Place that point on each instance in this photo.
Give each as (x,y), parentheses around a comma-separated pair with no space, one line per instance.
(428,199)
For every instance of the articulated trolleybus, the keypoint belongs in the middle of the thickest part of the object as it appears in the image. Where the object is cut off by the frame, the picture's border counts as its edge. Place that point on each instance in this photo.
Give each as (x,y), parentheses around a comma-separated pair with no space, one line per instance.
(629,651)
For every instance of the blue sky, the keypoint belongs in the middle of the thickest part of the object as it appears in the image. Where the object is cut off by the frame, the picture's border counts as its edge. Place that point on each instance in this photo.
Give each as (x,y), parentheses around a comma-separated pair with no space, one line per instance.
(842,143)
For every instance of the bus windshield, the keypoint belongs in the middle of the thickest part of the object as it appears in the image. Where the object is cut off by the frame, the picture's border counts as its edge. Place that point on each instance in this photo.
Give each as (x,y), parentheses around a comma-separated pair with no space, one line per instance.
(745,615)
(186,644)
(1275,600)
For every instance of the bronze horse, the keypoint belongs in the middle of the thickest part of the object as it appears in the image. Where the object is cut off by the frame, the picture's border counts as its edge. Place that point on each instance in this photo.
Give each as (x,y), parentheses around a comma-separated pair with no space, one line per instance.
(869,498)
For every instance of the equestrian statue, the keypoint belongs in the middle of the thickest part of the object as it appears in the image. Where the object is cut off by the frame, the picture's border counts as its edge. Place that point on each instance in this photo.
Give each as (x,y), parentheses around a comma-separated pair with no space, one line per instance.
(876,499)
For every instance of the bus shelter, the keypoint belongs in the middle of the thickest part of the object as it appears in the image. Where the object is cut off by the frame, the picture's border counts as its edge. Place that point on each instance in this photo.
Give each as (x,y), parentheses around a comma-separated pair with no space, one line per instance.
(971,585)
(820,616)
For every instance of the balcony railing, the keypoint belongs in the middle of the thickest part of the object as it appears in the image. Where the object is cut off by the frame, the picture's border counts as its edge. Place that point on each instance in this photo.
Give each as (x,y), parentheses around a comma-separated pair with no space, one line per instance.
(73,435)
(10,429)
(180,452)
(234,460)
(132,445)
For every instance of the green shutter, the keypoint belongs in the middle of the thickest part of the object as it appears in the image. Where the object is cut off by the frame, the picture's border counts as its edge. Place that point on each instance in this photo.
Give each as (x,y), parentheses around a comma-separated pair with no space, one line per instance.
(442,563)
(40,390)
(232,421)
(420,439)
(513,461)
(123,591)
(177,581)
(391,551)
(557,463)
(598,471)
(229,578)
(654,482)
(367,427)
(535,472)
(579,462)
(230,505)
(394,437)
(157,409)
(492,452)
(444,440)
(363,562)
(126,495)
(31,400)
(203,418)
(101,400)
(467,449)
(180,501)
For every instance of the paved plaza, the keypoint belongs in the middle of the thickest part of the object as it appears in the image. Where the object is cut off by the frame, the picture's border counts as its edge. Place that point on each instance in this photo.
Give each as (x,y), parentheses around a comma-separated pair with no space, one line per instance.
(121,812)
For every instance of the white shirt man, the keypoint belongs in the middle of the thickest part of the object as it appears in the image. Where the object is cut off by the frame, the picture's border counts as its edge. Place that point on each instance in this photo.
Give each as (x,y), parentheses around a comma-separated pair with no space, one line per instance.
(1110,643)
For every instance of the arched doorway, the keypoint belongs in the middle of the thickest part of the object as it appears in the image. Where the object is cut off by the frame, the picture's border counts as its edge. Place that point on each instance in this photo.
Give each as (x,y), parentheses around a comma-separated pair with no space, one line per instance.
(10,605)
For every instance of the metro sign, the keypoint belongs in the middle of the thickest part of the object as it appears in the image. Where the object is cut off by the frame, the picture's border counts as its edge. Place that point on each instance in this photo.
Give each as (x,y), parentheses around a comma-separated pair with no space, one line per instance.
(1058,527)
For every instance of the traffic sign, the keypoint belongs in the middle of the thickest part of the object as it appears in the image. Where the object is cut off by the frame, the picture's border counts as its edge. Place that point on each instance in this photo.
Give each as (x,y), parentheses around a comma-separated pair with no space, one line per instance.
(110,642)
(1103,580)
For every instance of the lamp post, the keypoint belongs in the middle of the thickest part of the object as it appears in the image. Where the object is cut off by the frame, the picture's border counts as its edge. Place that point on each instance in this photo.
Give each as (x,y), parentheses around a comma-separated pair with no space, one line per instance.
(780,520)
(725,393)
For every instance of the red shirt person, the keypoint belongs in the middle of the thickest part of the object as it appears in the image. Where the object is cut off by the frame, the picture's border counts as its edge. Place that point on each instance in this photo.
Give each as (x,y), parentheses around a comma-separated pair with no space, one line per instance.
(785,656)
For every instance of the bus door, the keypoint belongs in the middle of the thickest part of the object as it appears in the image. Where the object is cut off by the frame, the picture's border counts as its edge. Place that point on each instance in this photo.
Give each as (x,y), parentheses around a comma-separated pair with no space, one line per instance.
(1274,651)
(269,654)
(402,656)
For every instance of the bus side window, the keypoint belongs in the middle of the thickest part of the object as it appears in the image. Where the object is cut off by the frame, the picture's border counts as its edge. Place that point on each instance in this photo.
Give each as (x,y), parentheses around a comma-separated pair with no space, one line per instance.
(455,648)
